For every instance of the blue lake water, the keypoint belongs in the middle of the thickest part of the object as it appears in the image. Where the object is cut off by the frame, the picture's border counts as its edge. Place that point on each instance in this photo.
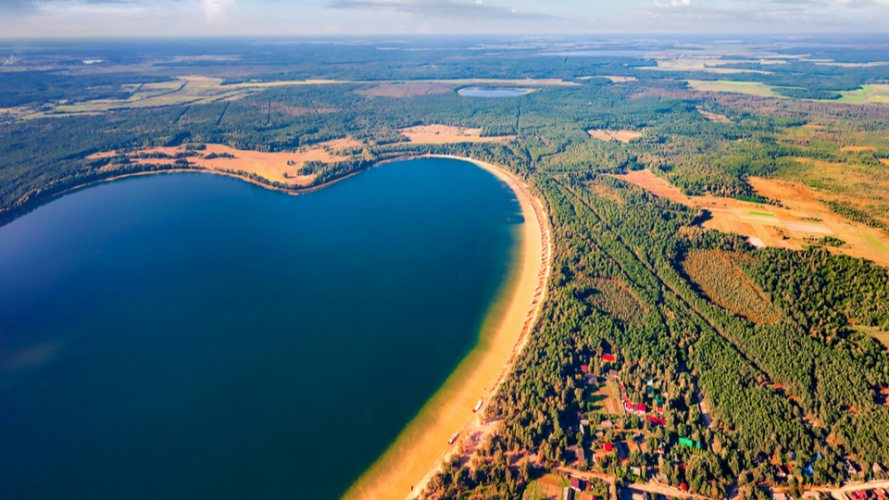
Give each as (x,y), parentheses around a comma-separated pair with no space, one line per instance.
(493,92)
(196,336)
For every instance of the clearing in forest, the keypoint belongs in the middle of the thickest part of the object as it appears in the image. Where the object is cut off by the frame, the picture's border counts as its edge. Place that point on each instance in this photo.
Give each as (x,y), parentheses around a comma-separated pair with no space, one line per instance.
(617,135)
(612,298)
(281,166)
(406,89)
(801,220)
(446,134)
(752,88)
(713,117)
(720,276)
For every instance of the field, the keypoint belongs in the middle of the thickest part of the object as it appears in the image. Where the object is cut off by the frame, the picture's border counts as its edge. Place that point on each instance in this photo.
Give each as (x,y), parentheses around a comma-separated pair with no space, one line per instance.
(617,135)
(445,134)
(874,93)
(184,90)
(752,88)
(801,218)
(702,65)
(720,276)
(406,89)
(280,167)
(548,487)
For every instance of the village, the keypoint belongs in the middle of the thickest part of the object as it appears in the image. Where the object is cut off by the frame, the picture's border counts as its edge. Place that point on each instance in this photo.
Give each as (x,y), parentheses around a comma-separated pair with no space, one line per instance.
(625,450)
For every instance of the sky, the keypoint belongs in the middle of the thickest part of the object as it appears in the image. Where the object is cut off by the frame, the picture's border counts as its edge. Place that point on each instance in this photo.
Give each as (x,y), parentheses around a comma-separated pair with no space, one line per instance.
(163,18)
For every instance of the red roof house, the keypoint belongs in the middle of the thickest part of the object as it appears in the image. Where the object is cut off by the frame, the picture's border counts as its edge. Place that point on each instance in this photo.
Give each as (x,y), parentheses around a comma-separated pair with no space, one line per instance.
(683,487)
(660,410)
(608,357)
(640,408)
(608,447)
(584,368)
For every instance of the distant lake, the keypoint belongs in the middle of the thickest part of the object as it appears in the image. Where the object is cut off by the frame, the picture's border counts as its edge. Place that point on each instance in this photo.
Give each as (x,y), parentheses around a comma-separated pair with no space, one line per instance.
(195,336)
(493,92)
(598,53)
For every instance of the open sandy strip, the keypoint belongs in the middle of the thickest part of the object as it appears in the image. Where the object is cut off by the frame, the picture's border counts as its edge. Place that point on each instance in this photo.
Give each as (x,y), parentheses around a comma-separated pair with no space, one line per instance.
(422,447)
(792,226)
(618,135)
(614,79)
(856,149)
(271,166)
(713,117)
(406,89)
(756,242)
(446,134)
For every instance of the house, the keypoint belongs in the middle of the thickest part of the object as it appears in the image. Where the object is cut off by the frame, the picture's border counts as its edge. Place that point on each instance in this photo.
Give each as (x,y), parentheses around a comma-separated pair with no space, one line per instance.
(613,374)
(640,408)
(608,447)
(779,496)
(686,442)
(779,471)
(567,494)
(876,468)
(628,406)
(581,456)
(606,424)
(683,487)
(622,451)
(608,358)
(660,410)
(812,494)
(851,468)
(576,484)
(881,493)
(859,495)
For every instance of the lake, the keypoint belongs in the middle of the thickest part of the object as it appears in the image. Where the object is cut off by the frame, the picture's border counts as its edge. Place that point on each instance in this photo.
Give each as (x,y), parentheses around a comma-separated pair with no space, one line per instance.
(193,335)
(493,92)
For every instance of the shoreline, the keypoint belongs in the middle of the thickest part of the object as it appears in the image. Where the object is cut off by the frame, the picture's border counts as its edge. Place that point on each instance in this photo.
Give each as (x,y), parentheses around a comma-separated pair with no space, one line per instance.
(421,448)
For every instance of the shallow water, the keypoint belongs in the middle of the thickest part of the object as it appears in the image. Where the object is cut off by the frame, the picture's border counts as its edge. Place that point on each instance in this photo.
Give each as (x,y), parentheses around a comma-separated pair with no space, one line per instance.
(493,92)
(192,335)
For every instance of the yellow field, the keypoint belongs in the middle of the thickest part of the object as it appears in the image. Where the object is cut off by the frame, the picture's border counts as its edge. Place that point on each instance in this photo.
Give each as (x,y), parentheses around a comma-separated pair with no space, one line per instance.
(752,88)
(703,65)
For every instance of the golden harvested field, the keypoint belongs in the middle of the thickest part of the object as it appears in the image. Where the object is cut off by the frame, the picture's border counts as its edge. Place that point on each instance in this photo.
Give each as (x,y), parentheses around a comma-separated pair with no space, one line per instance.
(617,135)
(271,166)
(800,219)
(703,65)
(720,276)
(406,89)
(614,79)
(446,134)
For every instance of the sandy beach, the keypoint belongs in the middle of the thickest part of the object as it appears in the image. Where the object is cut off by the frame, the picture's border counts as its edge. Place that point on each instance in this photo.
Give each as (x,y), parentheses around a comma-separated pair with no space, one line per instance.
(423,445)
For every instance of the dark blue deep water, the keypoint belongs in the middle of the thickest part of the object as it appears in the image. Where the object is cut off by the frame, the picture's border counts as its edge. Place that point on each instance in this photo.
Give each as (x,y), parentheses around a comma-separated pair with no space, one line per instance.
(196,336)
